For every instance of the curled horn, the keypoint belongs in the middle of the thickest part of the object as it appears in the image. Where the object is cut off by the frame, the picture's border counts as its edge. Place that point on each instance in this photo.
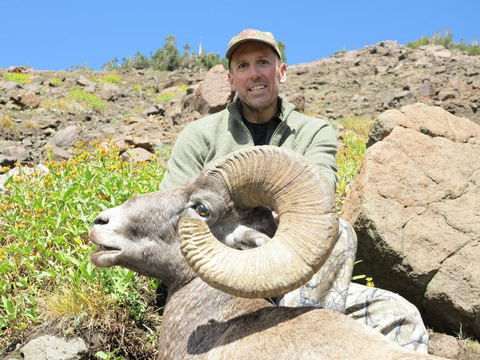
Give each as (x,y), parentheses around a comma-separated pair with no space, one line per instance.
(288,183)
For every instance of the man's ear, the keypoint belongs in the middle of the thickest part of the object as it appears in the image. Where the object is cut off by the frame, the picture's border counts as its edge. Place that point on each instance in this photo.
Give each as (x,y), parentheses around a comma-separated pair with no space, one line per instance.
(283,73)
(231,81)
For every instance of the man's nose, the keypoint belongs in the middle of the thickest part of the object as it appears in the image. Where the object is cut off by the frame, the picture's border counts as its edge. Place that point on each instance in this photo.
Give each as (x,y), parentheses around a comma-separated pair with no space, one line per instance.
(254,72)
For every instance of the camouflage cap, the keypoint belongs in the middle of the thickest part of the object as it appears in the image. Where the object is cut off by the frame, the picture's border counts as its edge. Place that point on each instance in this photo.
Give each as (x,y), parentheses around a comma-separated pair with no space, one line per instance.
(252,35)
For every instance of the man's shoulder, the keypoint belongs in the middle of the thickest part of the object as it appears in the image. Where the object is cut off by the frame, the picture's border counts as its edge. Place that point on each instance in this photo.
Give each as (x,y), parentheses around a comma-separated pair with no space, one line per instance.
(207,123)
(298,118)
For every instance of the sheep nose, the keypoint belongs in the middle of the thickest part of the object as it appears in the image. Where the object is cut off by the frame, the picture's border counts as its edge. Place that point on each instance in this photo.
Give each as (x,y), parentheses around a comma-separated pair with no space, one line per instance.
(101,220)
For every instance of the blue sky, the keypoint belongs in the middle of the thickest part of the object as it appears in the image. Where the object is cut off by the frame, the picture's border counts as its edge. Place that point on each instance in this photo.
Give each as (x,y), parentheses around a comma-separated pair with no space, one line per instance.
(53,34)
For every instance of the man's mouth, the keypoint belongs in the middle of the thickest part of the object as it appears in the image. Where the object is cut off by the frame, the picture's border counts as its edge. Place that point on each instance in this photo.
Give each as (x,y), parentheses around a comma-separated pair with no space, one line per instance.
(257,88)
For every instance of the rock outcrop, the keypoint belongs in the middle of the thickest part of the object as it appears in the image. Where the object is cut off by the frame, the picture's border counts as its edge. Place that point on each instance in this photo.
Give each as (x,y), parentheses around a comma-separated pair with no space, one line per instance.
(415,206)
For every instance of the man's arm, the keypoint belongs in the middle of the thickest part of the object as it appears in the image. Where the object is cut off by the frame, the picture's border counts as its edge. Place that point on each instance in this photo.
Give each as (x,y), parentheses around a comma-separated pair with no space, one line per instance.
(186,160)
(321,152)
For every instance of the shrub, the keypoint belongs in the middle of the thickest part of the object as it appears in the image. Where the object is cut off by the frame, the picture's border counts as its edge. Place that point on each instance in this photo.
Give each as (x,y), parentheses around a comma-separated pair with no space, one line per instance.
(45,275)
(56,81)
(164,97)
(112,79)
(17,77)
(86,98)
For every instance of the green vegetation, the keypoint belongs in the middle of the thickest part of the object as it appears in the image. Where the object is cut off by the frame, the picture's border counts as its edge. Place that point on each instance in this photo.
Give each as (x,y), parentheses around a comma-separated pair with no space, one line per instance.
(45,275)
(168,58)
(164,97)
(56,81)
(17,77)
(86,98)
(350,156)
(282,46)
(447,42)
(181,89)
(112,79)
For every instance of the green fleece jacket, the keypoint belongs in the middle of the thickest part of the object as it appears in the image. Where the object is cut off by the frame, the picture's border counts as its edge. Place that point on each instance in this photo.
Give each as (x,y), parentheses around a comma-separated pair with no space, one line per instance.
(218,135)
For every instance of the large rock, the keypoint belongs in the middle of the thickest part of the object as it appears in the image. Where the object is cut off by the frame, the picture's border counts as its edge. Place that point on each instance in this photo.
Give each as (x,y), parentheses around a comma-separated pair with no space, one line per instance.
(213,94)
(415,205)
(53,348)
(67,137)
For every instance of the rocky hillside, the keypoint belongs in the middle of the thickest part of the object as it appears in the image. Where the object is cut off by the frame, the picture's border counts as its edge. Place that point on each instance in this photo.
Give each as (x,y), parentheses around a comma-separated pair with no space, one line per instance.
(148,108)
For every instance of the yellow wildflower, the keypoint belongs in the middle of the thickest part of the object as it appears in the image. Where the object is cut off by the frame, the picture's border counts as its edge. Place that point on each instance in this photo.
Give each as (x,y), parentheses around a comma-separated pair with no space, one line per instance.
(370,282)
(5,168)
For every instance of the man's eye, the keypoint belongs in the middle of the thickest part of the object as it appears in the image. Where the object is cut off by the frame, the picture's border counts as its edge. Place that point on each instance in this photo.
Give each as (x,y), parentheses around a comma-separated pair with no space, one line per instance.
(202,210)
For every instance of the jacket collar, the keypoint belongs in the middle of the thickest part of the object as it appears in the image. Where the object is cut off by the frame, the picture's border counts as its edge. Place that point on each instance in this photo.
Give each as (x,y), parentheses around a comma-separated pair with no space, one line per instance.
(284,111)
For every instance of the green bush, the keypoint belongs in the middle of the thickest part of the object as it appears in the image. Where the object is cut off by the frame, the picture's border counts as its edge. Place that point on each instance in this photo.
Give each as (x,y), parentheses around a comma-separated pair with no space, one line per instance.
(17,77)
(86,98)
(45,275)
(112,79)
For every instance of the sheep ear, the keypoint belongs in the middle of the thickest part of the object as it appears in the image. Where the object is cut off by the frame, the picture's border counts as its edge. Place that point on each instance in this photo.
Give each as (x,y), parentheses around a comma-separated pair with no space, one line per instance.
(288,183)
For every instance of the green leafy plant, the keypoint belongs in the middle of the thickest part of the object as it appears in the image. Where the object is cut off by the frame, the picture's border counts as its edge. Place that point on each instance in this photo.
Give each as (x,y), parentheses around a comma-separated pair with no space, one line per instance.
(45,274)
(350,156)
(164,97)
(17,77)
(86,98)
(56,81)
(112,79)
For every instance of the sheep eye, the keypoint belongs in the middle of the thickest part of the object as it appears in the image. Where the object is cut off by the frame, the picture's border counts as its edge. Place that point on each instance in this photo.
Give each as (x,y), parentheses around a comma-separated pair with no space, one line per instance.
(201,210)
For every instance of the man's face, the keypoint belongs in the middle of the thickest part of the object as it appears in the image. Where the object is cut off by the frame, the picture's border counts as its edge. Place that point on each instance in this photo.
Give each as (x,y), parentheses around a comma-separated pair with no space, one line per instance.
(256,75)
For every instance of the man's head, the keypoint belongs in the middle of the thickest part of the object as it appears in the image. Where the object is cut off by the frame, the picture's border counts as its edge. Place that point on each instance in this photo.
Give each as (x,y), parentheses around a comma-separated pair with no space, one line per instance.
(256,73)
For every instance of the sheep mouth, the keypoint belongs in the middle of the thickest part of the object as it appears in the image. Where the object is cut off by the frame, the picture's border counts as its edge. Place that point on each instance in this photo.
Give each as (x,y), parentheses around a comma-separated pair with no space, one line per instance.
(105,256)
(106,249)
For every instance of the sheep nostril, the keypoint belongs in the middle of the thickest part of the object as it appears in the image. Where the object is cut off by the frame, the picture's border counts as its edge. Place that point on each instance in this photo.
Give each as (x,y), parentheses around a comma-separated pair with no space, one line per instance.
(100,221)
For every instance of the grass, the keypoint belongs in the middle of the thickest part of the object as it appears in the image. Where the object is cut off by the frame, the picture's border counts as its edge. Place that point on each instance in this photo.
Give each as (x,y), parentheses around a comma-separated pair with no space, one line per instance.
(46,278)
(87,99)
(7,123)
(350,157)
(164,97)
(17,77)
(181,89)
(45,275)
(56,81)
(112,79)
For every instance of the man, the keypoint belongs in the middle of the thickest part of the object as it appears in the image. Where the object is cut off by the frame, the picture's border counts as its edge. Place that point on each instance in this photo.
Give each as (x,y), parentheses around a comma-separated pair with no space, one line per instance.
(259,116)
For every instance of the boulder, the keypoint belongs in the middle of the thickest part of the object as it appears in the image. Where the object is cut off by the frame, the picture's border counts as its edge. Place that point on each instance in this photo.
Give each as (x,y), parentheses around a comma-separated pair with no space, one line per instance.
(213,93)
(137,155)
(25,98)
(415,206)
(54,348)
(66,138)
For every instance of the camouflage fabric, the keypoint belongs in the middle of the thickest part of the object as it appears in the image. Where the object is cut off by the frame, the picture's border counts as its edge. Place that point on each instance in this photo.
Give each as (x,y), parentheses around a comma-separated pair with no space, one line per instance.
(383,310)
(252,35)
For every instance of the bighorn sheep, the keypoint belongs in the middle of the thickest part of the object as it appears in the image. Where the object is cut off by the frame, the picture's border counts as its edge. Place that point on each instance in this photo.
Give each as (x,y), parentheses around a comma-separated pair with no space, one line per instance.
(205,317)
